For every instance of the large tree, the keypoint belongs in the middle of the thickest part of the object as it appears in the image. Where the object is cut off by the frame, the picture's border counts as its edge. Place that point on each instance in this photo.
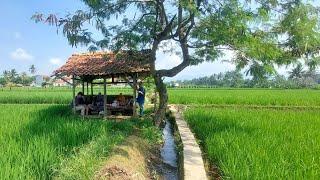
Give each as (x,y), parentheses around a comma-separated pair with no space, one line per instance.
(259,32)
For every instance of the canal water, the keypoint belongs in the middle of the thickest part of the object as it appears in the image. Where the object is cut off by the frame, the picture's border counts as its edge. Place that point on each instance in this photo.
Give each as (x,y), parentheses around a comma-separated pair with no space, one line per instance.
(169,154)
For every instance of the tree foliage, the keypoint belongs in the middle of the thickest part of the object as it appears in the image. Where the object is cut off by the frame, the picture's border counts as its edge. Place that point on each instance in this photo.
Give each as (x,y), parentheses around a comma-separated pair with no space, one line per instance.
(262,33)
(11,78)
(236,79)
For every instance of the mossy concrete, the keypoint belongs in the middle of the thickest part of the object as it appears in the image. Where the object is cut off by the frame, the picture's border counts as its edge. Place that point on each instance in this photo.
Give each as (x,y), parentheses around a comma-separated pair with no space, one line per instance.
(193,165)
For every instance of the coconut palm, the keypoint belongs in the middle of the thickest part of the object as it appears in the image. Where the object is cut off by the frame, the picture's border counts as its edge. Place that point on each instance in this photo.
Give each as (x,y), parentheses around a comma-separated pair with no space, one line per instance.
(32,69)
(297,72)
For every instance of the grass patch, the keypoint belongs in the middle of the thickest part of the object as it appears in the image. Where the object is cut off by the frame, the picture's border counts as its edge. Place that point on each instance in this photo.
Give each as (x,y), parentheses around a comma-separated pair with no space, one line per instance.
(269,97)
(47,141)
(47,95)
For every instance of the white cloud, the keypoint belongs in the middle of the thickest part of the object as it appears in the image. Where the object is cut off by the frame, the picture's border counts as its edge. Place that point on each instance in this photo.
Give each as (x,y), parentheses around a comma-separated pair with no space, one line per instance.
(169,60)
(165,61)
(203,69)
(17,35)
(55,61)
(21,54)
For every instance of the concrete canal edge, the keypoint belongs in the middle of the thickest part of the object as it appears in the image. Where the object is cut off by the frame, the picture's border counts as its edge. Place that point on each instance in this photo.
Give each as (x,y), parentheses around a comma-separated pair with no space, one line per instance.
(193,166)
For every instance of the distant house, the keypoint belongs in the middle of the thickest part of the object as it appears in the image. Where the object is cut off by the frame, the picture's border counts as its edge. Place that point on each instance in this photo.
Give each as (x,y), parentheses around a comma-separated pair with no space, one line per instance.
(38,80)
(60,82)
(176,85)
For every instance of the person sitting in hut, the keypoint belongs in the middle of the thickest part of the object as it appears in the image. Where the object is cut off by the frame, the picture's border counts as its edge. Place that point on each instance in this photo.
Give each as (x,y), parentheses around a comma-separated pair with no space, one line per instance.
(80,104)
(97,103)
(100,97)
(141,97)
(121,100)
(100,102)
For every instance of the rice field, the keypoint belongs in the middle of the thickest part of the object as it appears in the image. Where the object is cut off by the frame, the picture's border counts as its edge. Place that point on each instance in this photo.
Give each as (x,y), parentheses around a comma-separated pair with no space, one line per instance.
(255,97)
(261,143)
(259,97)
(47,142)
(47,95)
(41,139)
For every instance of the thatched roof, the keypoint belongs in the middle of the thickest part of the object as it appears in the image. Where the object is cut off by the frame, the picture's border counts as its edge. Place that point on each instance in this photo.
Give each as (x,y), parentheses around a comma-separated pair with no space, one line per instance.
(106,64)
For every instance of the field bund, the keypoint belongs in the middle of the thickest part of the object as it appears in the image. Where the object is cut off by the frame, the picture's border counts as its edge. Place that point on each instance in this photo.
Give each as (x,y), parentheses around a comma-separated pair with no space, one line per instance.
(193,166)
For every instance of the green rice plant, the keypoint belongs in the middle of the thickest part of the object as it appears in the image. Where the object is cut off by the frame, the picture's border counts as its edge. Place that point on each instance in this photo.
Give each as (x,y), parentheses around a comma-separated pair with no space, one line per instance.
(48,95)
(256,97)
(259,143)
(47,141)
(261,97)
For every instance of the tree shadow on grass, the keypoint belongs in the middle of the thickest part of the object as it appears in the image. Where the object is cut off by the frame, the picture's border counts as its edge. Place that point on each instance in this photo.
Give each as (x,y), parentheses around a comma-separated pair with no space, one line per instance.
(54,132)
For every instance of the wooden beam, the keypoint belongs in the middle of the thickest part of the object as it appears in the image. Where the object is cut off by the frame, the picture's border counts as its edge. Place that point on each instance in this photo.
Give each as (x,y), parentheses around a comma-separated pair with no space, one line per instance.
(70,83)
(105,97)
(83,87)
(74,94)
(91,89)
(128,81)
(134,86)
(87,88)
(120,82)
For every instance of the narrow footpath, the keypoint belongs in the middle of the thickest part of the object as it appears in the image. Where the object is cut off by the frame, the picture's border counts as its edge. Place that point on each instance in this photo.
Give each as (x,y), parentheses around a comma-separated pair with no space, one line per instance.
(193,165)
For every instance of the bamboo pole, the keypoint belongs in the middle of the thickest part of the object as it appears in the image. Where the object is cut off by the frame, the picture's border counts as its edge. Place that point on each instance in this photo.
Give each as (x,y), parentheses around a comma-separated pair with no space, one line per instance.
(74,94)
(87,88)
(91,89)
(104,97)
(134,95)
(83,86)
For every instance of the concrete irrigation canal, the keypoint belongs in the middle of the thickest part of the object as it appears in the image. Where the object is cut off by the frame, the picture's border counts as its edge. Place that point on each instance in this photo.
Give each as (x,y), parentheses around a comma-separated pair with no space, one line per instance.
(169,154)
(193,166)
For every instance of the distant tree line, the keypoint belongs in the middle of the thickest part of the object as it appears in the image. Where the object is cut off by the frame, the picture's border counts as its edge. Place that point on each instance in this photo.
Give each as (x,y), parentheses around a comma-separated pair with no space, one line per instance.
(12,78)
(298,78)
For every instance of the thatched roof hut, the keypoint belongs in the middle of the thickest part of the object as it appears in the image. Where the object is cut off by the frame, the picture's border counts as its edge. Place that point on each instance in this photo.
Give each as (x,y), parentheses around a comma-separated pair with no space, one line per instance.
(120,67)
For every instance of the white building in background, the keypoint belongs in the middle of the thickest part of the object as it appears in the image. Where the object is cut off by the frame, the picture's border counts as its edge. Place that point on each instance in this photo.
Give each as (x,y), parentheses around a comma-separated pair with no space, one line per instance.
(60,82)
(38,80)
(176,85)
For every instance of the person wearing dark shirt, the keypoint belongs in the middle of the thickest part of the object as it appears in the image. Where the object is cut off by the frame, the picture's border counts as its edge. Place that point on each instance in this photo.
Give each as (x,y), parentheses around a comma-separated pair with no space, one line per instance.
(80,104)
(141,97)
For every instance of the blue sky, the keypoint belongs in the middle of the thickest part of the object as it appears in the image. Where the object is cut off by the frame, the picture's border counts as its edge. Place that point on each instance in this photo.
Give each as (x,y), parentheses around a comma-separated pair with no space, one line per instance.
(24,42)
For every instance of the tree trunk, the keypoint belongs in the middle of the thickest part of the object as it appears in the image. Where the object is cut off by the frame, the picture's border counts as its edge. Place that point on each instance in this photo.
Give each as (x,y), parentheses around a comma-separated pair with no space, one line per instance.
(163,100)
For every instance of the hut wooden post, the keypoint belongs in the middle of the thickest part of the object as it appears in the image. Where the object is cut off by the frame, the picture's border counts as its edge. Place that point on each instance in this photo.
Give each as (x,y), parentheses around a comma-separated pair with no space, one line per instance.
(74,94)
(82,86)
(134,95)
(91,89)
(104,97)
(87,88)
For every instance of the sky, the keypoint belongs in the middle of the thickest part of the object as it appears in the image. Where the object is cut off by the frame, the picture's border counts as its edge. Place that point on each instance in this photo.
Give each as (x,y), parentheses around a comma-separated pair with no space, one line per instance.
(24,42)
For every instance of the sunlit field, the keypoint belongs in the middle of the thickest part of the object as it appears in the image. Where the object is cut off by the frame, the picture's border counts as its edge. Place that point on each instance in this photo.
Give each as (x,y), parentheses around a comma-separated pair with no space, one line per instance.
(46,142)
(48,95)
(41,139)
(269,97)
(259,143)
(282,97)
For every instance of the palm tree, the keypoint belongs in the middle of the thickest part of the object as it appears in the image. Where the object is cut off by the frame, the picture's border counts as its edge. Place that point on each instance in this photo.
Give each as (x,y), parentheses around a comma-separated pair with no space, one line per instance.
(13,75)
(32,69)
(23,77)
(6,75)
(297,72)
